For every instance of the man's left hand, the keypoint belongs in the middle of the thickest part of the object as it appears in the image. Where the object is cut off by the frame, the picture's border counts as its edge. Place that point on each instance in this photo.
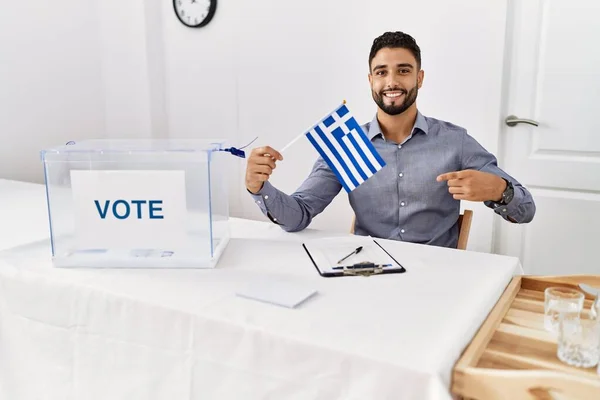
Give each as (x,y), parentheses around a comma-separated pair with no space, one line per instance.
(474,185)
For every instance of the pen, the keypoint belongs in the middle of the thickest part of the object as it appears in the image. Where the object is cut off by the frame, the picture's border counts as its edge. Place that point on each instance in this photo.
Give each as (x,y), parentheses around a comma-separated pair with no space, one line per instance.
(356,251)
(358,266)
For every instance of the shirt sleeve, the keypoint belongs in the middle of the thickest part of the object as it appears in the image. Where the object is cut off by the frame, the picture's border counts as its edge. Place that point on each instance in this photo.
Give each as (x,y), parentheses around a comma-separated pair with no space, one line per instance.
(521,208)
(295,212)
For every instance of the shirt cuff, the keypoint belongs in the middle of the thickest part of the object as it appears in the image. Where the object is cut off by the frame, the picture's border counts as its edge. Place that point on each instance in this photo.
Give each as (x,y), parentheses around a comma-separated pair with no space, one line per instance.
(265,196)
(511,210)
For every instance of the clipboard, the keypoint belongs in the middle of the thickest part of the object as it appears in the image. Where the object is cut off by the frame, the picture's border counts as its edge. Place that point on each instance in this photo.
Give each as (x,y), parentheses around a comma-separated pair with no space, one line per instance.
(374,260)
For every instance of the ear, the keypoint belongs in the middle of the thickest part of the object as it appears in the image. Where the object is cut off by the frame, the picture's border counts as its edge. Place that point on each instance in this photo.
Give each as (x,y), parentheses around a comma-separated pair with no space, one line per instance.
(420,77)
(370,79)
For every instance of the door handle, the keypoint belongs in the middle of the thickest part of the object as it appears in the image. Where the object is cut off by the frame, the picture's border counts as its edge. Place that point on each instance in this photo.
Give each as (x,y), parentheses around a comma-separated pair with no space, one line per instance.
(513,120)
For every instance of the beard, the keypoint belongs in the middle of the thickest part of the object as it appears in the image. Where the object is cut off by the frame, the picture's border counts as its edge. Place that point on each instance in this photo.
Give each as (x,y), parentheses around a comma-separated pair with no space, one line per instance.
(394,108)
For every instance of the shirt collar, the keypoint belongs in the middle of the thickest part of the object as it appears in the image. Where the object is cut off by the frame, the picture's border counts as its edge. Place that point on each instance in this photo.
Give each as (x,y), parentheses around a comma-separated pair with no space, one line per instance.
(420,123)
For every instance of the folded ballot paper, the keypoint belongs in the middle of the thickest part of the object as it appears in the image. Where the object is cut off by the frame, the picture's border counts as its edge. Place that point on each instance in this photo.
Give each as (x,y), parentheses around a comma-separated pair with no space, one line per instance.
(351,255)
(285,293)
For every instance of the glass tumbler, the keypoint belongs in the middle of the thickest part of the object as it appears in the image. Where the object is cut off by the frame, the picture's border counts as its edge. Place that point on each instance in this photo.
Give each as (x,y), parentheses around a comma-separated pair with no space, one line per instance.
(579,342)
(561,301)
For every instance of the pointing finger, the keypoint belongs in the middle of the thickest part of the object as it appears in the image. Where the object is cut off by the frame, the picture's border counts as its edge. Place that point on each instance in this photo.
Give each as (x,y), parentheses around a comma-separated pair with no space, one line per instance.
(447,176)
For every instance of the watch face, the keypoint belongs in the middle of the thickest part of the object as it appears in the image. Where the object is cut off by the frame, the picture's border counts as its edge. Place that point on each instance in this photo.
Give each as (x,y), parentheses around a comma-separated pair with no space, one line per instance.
(195,13)
(508,194)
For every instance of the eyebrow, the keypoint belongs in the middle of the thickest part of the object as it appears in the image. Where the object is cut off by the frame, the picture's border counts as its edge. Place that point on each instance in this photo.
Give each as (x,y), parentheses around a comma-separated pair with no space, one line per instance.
(402,65)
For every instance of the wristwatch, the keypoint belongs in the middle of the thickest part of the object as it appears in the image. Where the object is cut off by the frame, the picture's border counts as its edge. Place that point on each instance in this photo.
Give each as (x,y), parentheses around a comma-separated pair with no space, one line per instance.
(508,193)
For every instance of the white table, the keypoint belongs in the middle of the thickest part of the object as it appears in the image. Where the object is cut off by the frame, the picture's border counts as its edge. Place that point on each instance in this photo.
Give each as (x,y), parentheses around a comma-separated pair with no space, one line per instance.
(183,334)
(23,213)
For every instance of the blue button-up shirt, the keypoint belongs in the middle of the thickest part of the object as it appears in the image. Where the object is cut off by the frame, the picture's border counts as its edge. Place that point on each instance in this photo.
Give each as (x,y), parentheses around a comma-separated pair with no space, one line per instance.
(403,200)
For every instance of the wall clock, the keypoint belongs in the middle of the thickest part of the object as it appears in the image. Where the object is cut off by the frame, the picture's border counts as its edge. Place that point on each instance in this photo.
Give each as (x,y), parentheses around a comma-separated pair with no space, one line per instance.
(195,13)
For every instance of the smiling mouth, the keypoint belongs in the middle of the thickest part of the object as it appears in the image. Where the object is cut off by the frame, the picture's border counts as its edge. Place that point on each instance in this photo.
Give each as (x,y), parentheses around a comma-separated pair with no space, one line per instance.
(393,94)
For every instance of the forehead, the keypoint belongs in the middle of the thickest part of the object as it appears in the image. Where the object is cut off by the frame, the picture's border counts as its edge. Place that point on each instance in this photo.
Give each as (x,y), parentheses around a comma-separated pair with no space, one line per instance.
(392,56)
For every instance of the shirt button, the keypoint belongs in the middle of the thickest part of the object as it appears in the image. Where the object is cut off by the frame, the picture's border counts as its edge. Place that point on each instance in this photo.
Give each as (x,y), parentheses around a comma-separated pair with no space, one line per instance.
(400,174)
(399,146)
(402,204)
(266,197)
(274,219)
(401,230)
(257,201)
(504,210)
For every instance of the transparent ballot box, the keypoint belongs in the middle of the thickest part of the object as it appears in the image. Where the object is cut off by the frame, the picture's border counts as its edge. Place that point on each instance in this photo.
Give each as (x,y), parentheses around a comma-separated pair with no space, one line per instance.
(137,203)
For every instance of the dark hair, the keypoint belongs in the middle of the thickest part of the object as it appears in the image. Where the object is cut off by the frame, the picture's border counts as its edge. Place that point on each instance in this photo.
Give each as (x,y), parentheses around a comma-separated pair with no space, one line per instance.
(395,40)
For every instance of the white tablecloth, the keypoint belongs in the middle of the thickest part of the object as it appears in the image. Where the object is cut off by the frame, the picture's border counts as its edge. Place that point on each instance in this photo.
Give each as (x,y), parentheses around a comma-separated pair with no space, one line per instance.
(183,334)
(23,213)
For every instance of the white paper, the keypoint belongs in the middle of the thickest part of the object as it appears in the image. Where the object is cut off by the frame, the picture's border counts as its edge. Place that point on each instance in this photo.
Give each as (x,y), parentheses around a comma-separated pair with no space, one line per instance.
(279,292)
(93,189)
(327,252)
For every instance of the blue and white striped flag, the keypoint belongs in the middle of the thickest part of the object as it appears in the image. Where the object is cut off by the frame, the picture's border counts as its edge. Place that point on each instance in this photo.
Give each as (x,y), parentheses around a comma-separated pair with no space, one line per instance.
(342,143)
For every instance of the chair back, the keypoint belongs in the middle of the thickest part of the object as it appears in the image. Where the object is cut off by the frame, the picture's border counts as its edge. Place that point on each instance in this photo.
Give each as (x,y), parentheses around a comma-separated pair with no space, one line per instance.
(464,227)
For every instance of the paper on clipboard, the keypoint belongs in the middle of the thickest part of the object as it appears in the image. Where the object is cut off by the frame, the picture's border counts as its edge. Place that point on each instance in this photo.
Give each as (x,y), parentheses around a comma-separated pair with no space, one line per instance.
(326,253)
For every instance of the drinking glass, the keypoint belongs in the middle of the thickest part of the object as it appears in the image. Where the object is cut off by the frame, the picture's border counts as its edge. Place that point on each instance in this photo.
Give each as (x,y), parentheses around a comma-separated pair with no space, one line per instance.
(561,301)
(579,342)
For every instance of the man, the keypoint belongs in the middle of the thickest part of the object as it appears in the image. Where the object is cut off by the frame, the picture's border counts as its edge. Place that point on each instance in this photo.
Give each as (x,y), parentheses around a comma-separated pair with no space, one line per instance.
(430,166)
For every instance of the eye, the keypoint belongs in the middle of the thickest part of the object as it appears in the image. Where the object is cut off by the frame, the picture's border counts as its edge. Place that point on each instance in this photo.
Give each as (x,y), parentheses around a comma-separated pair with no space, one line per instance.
(405,71)
(380,73)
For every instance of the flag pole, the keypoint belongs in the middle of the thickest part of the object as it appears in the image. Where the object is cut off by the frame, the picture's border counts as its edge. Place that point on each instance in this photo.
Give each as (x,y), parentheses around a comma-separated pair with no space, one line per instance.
(296,139)
(291,143)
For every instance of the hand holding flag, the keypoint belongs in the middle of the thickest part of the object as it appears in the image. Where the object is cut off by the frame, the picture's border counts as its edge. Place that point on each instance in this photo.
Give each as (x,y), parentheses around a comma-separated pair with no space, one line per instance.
(261,163)
(340,141)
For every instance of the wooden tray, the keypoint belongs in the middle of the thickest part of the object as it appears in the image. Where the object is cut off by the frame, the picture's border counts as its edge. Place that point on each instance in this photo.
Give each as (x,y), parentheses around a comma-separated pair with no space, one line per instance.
(513,357)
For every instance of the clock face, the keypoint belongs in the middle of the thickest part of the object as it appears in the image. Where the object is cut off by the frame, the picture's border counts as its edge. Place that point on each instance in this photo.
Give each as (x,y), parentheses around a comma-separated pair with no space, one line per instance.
(195,13)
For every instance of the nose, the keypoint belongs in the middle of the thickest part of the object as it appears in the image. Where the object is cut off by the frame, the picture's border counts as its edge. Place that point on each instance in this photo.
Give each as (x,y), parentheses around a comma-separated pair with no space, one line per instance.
(392,82)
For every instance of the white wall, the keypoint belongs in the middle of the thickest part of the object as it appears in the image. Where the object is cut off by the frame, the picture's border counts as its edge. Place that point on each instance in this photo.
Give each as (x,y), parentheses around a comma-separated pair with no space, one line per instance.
(117,68)
(50,81)
(74,70)
(133,74)
(271,69)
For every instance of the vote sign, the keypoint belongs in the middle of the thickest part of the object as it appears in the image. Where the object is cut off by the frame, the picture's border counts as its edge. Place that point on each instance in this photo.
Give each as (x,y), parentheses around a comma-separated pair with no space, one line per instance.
(129,209)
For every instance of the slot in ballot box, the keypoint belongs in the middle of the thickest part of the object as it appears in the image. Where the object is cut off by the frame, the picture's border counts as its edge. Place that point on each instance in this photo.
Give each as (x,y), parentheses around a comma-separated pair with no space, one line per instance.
(137,203)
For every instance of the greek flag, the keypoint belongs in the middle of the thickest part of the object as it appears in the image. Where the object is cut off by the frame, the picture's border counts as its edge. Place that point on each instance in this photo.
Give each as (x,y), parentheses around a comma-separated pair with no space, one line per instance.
(344,146)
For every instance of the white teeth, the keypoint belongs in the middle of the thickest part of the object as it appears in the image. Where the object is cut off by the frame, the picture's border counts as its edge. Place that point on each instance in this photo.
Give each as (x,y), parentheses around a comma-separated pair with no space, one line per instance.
(392,94)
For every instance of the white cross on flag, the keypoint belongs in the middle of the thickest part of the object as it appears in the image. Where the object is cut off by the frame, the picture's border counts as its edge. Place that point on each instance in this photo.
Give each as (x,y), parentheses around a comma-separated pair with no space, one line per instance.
(344,146)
